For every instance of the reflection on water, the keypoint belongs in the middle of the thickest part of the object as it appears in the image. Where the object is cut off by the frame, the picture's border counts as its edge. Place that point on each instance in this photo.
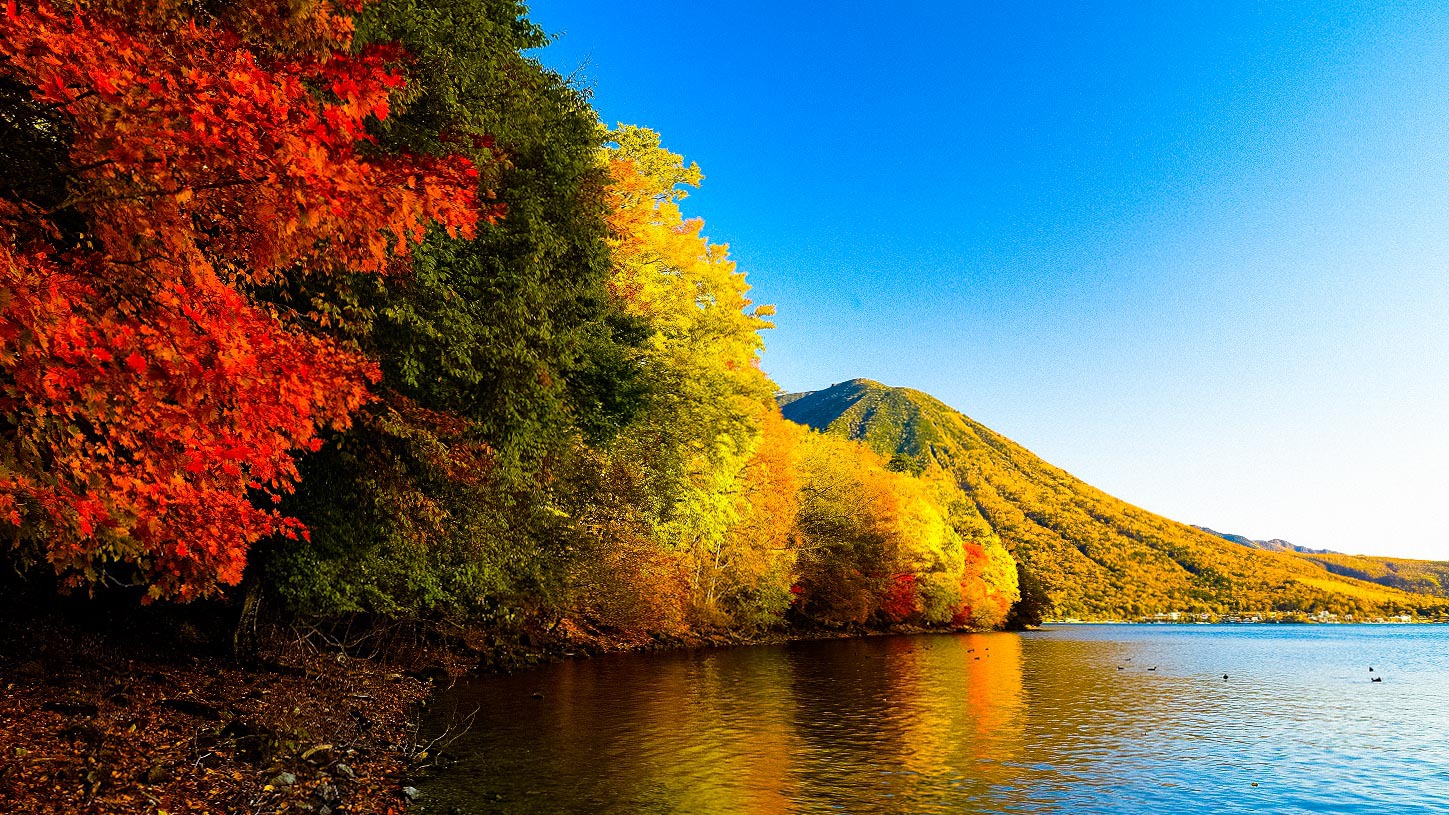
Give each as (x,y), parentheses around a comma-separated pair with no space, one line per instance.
(1064,720)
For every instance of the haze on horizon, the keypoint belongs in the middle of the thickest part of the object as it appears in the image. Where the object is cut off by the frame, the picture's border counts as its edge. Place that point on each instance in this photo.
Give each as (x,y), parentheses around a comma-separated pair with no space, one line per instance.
(1197,256)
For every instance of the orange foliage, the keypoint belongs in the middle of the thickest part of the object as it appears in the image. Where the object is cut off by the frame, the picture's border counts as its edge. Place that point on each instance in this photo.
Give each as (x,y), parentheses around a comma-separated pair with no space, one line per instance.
(146,395)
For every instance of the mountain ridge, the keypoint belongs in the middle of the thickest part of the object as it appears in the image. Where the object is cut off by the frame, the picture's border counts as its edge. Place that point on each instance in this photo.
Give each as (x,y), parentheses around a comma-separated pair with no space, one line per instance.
(1274,545)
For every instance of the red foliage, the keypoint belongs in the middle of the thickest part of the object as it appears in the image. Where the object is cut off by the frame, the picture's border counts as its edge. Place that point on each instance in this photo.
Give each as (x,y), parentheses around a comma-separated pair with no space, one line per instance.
(975,598)
(146,399)
(900,599)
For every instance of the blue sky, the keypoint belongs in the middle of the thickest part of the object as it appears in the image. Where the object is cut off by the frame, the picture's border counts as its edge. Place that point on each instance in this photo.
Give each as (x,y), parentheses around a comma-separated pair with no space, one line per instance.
(1195,253)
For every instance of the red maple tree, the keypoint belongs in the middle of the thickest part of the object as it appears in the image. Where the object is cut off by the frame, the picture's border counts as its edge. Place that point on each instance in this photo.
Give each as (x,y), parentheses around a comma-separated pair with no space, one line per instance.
(150,403)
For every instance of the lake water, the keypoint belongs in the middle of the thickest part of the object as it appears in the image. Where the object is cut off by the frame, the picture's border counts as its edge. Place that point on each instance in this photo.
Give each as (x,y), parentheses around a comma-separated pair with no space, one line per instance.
(1069,719)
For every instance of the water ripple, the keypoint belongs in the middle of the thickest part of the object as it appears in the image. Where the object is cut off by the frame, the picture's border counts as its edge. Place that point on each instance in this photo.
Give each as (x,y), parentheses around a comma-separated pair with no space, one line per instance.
(1069,720)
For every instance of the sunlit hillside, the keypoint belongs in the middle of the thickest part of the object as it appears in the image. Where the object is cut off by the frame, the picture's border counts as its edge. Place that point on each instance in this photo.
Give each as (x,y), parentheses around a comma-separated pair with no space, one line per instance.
(1418,576)
(1098,556)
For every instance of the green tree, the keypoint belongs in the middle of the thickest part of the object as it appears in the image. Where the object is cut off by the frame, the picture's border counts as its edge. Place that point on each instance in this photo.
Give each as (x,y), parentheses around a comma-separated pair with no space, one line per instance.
(497,353)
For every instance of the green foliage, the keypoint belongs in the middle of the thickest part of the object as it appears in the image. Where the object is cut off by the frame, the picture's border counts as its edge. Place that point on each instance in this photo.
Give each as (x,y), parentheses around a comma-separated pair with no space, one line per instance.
(497,353)
(515,330)
(1034,606)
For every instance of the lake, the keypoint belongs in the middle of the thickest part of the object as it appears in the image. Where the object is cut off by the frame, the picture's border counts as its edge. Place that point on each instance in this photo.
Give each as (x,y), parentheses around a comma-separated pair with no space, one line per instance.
(1070,719)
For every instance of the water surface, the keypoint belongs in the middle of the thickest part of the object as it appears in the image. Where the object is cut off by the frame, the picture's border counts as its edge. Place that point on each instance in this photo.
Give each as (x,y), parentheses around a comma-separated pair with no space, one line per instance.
(1070,719)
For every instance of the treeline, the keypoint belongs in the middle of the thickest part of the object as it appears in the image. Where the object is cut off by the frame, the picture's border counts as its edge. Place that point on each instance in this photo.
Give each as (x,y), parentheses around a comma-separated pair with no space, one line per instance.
(358,308)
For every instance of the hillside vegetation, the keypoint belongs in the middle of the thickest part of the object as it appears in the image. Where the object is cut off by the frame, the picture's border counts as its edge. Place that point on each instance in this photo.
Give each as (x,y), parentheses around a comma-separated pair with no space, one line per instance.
(1418,576)
(1099,557)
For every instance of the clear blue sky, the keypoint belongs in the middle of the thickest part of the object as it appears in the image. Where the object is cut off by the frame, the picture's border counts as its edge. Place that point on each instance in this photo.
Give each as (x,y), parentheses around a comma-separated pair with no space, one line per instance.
(1195,253)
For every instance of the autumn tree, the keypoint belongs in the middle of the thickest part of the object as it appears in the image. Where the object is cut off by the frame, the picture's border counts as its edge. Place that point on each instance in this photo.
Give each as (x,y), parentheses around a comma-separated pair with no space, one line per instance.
(876,544)
(705,394)
(848,548)
(161,167)
(749,575)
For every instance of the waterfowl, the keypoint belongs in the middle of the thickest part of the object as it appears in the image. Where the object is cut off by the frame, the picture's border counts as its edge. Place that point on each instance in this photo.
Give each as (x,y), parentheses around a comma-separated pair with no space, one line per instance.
(1376,679)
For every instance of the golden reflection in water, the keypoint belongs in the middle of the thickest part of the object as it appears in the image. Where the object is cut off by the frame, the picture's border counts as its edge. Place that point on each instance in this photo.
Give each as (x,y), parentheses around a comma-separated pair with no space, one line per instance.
(707,733)
(762,731)
(1065,720)
(961,709)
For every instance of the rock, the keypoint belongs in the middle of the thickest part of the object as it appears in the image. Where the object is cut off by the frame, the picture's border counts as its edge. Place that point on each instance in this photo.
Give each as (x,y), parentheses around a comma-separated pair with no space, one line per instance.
(90,734)
(156,775)
(411,793)
(432,673)
(318,755)
(192,707)
(254,743)
(344,770)
(86,709)
(327,793)
(284,779)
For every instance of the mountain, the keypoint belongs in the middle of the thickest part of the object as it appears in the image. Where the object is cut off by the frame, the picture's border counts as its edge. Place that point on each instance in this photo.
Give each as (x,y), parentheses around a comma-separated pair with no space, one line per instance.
(1416,576)
(1274,545)
(1097,556)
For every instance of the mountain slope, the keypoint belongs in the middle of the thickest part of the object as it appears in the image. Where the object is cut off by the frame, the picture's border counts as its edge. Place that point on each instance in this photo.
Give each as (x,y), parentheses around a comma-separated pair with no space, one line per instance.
(1099,557)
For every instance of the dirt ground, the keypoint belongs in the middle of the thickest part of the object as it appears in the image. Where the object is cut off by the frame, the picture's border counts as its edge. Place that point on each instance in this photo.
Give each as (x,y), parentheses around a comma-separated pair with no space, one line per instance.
(94,723)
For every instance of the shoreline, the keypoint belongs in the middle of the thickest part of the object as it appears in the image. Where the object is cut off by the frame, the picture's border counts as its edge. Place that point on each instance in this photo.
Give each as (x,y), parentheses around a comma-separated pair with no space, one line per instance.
(109,723)
(101,722)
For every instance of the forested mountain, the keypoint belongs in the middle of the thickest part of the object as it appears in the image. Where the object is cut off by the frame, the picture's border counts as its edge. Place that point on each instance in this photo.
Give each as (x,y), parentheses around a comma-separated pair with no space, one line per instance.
(1418,576)
(1098,557)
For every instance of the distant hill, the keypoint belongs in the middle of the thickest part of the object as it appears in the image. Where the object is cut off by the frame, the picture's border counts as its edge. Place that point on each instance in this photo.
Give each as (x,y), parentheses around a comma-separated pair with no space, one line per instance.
(1417,576)
(1274,545)
(1099,557)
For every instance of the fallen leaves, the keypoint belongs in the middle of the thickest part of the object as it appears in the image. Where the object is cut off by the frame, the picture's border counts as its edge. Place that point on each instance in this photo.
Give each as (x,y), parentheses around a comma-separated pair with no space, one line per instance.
(89,730)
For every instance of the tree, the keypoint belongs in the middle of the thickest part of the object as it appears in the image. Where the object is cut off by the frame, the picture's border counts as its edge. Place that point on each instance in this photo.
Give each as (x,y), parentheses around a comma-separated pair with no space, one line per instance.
(749,575)
(700,422)
(1035,604)
(173,165)
(506,349)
